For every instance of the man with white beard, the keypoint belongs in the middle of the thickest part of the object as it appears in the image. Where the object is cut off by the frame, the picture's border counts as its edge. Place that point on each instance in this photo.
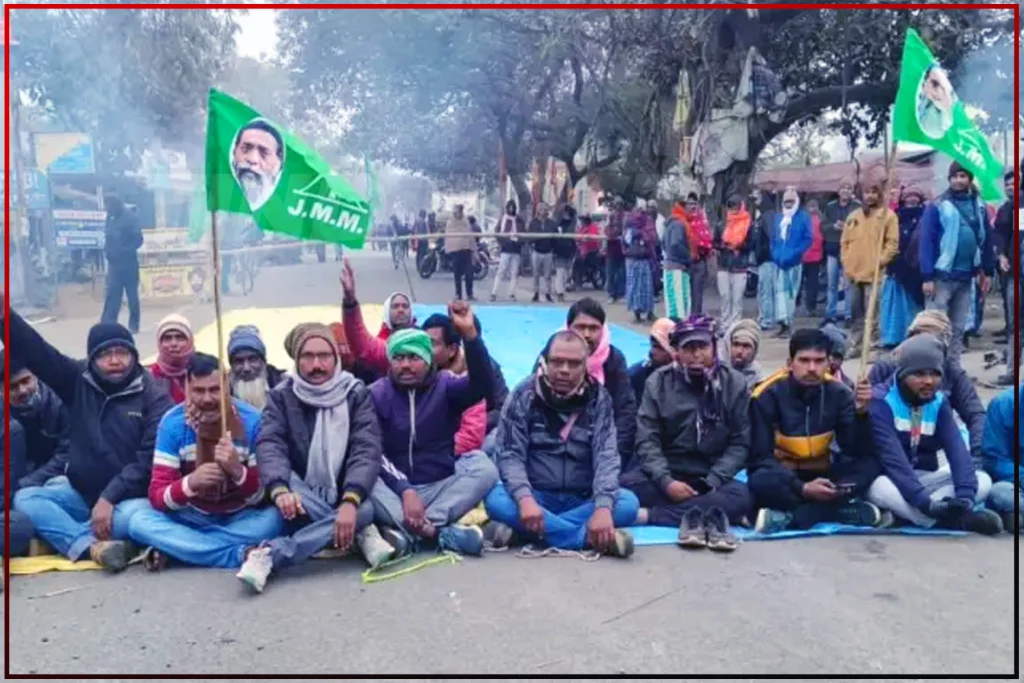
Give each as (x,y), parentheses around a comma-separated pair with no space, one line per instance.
(251,377)
(257,160)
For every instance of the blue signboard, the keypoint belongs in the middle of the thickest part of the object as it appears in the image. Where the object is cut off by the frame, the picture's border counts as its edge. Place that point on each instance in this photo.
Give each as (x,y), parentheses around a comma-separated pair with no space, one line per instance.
(70,153)
(79,229)
(37,191)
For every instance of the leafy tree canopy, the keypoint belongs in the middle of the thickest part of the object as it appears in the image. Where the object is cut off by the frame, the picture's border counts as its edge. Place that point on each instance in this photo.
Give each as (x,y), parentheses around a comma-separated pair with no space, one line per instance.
(439,91)
(126,77)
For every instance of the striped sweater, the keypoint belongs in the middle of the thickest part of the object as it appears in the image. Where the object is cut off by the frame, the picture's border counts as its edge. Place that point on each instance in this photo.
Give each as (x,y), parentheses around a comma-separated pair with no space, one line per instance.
(175,458)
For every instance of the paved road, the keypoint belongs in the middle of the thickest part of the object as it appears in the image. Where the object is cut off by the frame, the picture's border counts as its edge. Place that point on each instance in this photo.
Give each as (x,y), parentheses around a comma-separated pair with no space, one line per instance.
(869,605)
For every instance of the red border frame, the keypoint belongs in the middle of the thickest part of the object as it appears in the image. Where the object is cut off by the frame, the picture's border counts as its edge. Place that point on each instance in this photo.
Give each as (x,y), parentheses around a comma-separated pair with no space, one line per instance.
(442,6)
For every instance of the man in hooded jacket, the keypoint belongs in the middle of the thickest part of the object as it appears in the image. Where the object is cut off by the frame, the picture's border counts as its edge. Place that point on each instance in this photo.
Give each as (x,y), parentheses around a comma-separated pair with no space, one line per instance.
(369,350)
(115,407)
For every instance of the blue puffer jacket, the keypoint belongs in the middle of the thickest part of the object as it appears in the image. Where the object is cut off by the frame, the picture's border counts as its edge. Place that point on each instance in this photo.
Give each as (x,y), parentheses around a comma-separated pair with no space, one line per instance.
(789,252)
(111,440)
(418,427)
(997,445)
(940,228)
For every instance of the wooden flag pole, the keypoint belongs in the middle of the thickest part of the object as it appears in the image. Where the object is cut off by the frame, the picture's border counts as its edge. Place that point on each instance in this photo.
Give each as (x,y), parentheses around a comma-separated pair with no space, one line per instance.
(224,398)
(869,318)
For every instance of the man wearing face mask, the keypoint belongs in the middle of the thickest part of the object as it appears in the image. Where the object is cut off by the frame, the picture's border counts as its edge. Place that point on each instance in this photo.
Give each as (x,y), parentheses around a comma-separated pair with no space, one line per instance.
(798,479)
(252,377)
(928,476)
(792,233)
(558,461)
(420,410)
(205,489)
(693,431)
(319,455)
(114,407)
(44,422)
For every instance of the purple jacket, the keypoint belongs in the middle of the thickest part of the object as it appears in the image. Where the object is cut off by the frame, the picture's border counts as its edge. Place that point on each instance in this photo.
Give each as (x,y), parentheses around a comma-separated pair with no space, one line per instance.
(426,453)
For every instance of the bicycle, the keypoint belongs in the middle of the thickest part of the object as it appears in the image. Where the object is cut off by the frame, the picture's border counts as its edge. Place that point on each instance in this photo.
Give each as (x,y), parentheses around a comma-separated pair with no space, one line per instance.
(244,269)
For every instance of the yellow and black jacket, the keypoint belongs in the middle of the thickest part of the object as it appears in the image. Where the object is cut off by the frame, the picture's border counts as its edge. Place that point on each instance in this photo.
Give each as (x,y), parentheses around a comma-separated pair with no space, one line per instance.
(793,426)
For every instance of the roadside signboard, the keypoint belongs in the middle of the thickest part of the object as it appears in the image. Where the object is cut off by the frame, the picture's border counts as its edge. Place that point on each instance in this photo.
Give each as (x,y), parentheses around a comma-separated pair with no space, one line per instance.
(79,229)
(37,191)
(70,153)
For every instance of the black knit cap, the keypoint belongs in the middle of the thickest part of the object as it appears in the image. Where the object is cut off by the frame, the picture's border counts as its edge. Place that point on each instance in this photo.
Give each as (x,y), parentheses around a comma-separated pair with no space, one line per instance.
(17,365)
(104,336)
(955,168)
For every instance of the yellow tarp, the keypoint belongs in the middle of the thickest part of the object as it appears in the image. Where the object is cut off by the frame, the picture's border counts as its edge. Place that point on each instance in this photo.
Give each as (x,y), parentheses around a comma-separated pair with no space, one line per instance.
(274,325)
(25,566)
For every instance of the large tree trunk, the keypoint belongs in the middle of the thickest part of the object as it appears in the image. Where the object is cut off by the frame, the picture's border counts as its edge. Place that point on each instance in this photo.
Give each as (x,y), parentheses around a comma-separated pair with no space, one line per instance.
(522,190)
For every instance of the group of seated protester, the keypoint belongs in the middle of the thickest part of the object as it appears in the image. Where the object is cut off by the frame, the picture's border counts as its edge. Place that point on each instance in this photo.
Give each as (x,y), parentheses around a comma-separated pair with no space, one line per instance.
(384,445)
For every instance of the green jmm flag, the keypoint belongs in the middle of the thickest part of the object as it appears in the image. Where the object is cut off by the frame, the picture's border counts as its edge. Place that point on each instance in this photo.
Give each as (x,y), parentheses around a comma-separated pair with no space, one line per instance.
(928,112)
(255,167)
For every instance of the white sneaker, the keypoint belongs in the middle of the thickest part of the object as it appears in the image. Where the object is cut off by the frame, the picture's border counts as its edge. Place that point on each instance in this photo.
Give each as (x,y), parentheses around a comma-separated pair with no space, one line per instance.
(256,569)
(375,549)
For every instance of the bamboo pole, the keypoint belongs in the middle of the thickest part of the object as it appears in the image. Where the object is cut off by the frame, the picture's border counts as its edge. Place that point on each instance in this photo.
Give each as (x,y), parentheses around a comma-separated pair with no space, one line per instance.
(869,318)
(224,399)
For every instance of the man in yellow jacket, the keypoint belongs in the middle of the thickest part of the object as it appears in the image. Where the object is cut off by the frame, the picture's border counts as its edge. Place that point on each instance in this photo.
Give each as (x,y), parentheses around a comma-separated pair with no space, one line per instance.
(866,227)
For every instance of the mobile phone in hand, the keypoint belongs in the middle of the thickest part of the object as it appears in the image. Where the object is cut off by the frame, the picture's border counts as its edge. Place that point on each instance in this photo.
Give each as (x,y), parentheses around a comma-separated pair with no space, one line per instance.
(845,488)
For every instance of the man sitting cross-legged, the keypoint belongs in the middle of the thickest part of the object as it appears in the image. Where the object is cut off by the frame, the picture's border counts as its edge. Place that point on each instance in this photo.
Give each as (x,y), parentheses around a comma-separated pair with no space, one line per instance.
(318,453)
(558,458)
(929,477)
(114,407)
(420,410)
(999,445)
(205,489)
(797,478)
(693,434)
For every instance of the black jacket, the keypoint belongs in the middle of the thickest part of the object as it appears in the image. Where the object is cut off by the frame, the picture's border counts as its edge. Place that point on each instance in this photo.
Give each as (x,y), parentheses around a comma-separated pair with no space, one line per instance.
(532,455)
(123,239)
(792,429)
(499,393)
(616,381)
(111,440)
(735,261)
(1003,231)
(670,445)
(546,226)
(287,430)
(762,236)
(46,427)
(509,246)
(835,216)
(14,459)
(564,249)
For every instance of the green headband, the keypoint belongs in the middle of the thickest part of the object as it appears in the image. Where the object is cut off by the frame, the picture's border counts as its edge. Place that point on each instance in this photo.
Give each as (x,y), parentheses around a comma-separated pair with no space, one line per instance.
(411,341)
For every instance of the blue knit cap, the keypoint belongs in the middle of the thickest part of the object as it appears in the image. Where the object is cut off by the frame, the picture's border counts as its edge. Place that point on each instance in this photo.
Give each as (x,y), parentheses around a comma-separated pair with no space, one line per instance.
(246,338)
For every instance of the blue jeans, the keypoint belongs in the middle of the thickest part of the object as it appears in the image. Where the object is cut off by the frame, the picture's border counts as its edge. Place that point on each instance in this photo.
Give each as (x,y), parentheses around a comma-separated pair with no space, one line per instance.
(615,277)
(1000,498)
(766,295)
(21,532)
(203,540)
(565,514)
(61,516)
(834,275)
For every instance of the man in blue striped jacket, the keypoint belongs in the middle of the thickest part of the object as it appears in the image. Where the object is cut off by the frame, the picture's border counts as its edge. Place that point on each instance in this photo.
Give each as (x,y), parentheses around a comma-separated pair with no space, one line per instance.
(928,475)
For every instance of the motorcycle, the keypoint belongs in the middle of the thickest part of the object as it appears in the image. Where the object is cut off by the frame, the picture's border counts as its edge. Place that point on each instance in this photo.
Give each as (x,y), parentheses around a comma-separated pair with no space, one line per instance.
(585,270)
(437,259)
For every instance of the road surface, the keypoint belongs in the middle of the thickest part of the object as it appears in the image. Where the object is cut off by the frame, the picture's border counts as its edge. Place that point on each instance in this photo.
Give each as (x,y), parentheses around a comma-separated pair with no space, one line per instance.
(841,605)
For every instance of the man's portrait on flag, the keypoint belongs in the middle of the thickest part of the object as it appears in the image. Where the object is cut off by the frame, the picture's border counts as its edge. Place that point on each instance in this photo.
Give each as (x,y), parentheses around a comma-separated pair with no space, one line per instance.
(935,100)
(257,160)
